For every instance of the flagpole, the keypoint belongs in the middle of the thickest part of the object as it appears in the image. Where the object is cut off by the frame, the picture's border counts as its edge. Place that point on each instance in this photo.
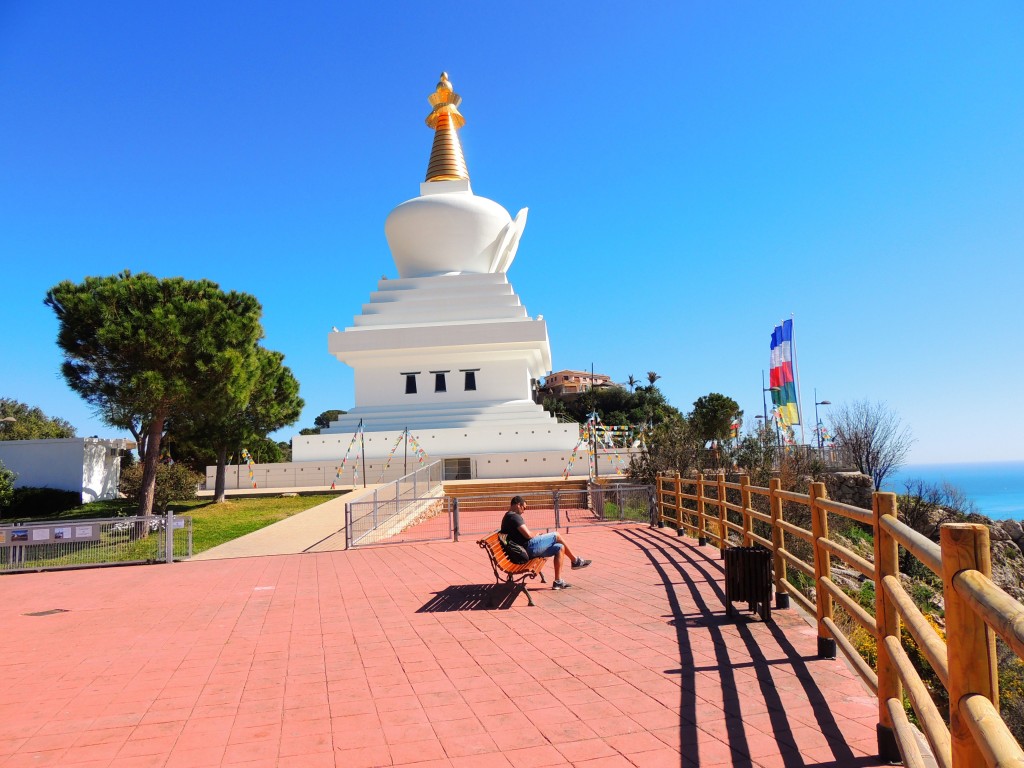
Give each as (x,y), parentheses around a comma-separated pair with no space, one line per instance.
(796,375)
(362,449)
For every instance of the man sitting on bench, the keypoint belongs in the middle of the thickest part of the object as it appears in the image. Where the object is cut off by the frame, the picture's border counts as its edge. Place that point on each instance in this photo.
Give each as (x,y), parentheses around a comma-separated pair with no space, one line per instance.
(544,545)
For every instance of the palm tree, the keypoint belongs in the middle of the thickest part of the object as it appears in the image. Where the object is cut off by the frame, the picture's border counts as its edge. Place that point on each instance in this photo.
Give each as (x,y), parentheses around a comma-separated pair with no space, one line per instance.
(653,377)
(631,382)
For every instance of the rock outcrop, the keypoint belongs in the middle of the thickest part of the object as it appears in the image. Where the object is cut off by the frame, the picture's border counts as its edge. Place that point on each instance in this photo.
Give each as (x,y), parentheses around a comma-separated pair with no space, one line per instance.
(852,488)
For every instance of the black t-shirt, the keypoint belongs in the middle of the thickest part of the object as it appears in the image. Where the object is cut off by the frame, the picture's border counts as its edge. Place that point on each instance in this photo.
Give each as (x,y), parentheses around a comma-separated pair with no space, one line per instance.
(510,525)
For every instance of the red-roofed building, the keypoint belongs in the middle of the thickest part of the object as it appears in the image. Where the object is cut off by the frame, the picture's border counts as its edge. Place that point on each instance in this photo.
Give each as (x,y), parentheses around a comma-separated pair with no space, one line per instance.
(561,383)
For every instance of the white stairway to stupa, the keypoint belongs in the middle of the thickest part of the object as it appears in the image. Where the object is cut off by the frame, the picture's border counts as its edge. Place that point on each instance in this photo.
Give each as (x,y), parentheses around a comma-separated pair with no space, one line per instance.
(447,350)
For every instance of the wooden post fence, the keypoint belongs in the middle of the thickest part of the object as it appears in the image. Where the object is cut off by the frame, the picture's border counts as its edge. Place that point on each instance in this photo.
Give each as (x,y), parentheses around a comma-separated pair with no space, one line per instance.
(702,521)
(976,610)
(822,570)
(679,505)
(745,503)
(890,690)
(778,544)
(971,644)
(722,530)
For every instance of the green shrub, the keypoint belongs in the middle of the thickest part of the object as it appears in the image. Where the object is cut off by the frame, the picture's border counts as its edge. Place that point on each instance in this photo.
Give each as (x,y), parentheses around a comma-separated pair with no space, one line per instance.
(923,594)
(860,534)
(174,482)
(865,596)
(1011,689)
(7,478)
(38,503)
(801,581)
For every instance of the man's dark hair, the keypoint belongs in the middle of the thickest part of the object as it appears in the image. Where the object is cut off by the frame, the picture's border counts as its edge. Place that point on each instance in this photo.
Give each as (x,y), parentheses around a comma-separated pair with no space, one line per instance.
(516,500)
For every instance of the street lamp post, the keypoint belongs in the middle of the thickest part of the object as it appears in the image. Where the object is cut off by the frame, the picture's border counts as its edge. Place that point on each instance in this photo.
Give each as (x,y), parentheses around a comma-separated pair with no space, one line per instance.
(817,421)
(764,403)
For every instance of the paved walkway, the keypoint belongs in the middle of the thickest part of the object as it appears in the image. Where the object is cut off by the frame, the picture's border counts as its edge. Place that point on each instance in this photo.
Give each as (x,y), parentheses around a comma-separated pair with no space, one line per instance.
(318,529)
(389,656)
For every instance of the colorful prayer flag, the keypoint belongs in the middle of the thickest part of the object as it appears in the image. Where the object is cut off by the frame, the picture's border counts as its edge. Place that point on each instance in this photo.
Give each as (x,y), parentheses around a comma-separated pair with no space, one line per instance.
(782,378)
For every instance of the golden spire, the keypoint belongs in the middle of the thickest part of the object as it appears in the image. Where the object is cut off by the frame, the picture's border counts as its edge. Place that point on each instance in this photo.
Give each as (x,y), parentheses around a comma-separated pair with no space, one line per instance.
(446,160)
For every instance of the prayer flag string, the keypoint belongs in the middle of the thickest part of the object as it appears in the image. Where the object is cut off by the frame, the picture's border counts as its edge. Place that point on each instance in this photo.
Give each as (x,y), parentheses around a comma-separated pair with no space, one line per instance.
(247,458)
(344,460)
(387,464)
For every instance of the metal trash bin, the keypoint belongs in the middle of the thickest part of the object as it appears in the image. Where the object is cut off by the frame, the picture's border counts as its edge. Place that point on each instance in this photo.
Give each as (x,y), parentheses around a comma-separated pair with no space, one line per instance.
(748,579)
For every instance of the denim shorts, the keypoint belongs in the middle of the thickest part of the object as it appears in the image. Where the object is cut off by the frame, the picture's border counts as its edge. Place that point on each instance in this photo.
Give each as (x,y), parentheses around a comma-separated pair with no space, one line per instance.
(543,546)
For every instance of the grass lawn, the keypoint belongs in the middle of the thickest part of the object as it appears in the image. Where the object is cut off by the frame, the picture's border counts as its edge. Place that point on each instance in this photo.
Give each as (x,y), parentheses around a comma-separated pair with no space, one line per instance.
(212,524)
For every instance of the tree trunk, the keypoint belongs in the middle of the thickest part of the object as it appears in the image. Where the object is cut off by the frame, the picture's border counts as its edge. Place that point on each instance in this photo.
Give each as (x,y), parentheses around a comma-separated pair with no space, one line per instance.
(140,440)
(156,428)
(219,493)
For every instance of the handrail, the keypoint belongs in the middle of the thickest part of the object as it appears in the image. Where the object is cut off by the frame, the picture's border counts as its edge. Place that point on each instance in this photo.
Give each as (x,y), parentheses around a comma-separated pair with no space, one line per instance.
(853,608)
(906,735)
(851,558)
(796,530)
(396,496)
(919,545)
(797,562)
(1000,611)
(796,498)
(847,510)
(935,728)
(977,609)
(990,732)
(867,674)
(927,639)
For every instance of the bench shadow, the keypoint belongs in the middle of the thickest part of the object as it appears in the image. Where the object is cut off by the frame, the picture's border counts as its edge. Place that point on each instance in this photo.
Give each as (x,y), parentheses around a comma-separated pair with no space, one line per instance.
(685,572)
(471,597)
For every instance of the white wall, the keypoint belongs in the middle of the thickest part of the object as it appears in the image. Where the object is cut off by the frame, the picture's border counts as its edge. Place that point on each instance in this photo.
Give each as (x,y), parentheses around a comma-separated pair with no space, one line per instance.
(81,464)
(509,436)
(311,474)
(496,380)
(101,471)
(546,464)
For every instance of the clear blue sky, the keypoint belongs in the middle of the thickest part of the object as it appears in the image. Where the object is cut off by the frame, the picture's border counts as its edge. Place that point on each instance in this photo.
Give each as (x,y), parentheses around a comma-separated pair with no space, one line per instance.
(695,173)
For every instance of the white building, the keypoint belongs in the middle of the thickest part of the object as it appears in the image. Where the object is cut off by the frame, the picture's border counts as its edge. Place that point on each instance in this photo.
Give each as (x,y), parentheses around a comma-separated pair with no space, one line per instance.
(448,350)
(86,465)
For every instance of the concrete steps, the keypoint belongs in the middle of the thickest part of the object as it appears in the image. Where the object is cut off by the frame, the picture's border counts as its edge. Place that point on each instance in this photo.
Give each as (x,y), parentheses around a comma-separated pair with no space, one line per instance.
(538,492)
(520,414)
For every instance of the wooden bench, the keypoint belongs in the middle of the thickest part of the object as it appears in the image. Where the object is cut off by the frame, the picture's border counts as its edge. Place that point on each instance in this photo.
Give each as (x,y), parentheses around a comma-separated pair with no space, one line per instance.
(515,576)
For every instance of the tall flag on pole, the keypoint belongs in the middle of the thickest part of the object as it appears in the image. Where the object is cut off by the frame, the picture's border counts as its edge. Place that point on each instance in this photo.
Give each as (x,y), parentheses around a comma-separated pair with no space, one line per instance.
(782,378)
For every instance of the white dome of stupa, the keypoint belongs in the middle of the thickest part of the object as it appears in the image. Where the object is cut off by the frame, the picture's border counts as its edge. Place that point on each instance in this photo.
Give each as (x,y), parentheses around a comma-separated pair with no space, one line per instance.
(448,229)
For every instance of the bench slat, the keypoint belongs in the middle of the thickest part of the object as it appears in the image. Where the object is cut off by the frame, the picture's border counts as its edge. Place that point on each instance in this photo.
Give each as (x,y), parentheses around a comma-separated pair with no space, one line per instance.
(493,547)
(515,574)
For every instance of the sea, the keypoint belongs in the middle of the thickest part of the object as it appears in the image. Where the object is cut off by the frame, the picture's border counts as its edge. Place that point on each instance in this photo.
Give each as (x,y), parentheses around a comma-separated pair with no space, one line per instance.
(997,488)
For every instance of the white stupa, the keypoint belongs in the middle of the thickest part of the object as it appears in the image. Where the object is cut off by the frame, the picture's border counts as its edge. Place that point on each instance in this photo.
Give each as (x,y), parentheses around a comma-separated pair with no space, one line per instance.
(448,351)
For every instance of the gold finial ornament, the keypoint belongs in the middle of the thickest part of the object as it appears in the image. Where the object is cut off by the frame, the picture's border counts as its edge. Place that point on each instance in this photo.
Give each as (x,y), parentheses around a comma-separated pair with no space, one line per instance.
(447,162)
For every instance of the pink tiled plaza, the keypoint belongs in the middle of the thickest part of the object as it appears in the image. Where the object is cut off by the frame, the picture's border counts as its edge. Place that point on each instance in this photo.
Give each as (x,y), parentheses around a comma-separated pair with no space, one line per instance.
(391,656)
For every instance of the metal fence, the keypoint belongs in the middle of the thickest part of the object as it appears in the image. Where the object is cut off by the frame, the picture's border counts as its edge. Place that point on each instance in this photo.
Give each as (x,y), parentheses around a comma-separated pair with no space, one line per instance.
(397,507)
(444,518)
(713,460)
(392,521)
(43,546)
(561,509)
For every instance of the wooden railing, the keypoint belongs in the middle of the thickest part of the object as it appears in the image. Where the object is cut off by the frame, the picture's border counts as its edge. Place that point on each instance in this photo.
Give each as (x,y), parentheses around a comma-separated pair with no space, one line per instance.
(727,514)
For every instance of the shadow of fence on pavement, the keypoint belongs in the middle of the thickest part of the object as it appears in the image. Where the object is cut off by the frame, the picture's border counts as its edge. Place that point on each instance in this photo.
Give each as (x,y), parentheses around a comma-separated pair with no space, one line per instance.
(686,571)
